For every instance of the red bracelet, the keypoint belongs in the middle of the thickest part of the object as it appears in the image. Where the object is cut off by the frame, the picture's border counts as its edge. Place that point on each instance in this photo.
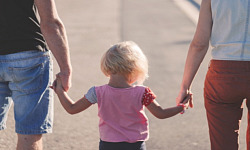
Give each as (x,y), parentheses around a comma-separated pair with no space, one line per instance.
(183,106)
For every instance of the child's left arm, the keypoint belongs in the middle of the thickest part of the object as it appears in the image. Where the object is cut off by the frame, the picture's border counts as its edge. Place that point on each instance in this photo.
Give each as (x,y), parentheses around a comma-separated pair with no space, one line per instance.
(161,113)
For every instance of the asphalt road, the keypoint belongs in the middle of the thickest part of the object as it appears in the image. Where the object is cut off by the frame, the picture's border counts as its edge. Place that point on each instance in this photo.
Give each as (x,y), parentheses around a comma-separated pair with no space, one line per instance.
(164,33)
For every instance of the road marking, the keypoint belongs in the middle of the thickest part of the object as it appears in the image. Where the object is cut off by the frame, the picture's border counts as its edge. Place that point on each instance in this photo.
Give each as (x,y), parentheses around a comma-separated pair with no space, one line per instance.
(189,9)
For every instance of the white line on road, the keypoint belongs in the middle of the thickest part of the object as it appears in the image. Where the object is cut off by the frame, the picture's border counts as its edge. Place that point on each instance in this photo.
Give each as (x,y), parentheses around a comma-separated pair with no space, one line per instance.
(189,9)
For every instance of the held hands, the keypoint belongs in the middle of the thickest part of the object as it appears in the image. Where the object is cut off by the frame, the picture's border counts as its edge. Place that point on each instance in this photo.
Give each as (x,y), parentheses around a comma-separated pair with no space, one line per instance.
(185,96)
(65,78)
(185,100)
(57,85)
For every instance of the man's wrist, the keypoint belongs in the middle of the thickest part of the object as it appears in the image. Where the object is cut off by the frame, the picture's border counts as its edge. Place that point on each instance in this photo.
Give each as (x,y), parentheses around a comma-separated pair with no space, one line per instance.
(66,71)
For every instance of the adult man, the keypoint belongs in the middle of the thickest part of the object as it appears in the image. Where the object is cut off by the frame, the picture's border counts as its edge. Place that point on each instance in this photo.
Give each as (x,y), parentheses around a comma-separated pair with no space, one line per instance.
(26,67)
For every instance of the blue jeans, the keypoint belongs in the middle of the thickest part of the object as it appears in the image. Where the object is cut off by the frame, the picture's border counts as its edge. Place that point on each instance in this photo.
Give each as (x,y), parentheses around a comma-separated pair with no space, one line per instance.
(122,145)
(24,79)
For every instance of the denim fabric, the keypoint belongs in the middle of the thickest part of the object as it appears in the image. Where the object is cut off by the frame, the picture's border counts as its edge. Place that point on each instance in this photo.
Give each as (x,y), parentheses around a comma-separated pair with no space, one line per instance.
(230,37)
(141,145)
(25,78)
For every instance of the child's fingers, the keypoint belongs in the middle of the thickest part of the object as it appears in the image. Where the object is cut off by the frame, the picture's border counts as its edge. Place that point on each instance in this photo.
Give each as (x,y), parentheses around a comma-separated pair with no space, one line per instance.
(57,84)
(188,101)
(191,102)
(58,79)
(54,84)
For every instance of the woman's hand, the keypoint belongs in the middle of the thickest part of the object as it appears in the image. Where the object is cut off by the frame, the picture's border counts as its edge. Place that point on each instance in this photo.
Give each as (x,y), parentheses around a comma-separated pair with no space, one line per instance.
(185,97)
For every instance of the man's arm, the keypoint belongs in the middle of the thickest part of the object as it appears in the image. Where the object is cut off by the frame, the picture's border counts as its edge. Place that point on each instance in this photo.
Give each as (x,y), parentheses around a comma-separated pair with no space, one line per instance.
(55,35)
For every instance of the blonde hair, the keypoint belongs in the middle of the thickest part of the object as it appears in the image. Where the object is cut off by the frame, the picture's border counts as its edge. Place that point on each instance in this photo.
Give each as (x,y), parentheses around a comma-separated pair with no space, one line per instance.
(125,58)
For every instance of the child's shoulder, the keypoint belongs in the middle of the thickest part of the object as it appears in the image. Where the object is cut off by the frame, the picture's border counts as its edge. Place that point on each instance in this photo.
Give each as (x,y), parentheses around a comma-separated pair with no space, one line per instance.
(140,86)
(106,86)
(134,88)
(101,86)
(145,89)
(94,88)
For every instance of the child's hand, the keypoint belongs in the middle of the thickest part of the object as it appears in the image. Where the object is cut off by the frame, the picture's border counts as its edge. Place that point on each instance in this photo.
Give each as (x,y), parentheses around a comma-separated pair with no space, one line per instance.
(57,85)
(188,99)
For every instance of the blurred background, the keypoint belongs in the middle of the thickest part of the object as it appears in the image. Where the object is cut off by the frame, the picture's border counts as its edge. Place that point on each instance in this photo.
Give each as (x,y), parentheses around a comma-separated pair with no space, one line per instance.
(163,29)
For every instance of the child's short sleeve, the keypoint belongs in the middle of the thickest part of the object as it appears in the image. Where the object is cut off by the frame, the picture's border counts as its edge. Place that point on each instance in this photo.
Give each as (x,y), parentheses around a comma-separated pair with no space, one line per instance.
(91,95)
(148,97)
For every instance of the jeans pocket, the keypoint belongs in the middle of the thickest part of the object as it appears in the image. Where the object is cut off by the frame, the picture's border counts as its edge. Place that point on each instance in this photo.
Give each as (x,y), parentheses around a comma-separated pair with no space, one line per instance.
(27,79)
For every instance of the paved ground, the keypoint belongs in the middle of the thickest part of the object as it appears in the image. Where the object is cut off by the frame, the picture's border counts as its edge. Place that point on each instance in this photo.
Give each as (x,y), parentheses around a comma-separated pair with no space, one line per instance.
(164,34)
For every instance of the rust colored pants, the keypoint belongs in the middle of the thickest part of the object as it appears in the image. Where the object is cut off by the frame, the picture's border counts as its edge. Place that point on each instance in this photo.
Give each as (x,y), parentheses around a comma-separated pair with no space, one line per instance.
(227,84)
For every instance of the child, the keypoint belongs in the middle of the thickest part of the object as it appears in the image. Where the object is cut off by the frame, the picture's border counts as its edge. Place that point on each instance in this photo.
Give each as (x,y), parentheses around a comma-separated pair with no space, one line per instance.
(123,124)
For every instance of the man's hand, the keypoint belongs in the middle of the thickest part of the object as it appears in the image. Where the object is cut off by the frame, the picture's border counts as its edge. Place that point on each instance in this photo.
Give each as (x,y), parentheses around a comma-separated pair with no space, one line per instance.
(65,80)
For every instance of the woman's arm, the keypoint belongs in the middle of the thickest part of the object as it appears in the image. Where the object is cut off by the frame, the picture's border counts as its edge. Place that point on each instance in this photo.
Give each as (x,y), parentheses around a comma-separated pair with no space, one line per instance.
(197,50)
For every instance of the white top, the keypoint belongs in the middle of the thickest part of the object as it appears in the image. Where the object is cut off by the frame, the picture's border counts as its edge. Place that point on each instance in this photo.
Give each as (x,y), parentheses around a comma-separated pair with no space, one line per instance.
(230,37)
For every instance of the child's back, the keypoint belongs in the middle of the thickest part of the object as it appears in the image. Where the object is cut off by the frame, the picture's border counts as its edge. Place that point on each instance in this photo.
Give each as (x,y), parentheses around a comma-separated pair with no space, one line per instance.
(121,112)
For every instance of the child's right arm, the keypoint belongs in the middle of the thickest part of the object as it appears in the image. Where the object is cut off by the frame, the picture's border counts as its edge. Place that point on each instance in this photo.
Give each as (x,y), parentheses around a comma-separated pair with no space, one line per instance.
(161,113)
(69,105)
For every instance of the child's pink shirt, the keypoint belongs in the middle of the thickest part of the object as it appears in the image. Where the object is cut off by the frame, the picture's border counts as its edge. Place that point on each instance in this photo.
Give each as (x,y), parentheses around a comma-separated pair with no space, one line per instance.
(121,113)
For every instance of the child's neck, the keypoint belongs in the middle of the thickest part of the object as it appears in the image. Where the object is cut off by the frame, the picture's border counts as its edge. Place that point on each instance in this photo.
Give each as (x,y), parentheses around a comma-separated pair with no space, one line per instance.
(118,81)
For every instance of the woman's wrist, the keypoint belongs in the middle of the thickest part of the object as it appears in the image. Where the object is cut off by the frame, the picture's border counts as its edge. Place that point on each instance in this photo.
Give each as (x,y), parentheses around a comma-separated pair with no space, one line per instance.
(185,89)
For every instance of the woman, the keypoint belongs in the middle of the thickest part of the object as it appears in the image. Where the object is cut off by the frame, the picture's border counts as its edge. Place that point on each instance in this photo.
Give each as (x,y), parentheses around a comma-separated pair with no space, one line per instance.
(226,24)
